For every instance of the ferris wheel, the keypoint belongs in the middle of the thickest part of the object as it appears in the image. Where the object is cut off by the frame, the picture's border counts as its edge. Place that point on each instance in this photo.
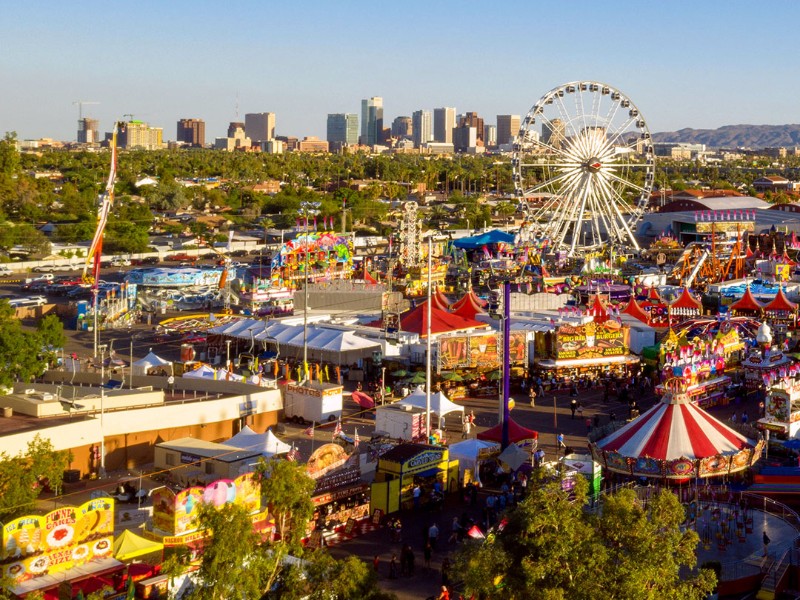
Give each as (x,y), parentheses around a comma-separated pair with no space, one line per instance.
(583,168)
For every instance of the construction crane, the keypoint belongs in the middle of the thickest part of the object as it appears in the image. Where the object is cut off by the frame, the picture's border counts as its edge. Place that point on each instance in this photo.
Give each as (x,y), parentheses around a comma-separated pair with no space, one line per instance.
(80,104)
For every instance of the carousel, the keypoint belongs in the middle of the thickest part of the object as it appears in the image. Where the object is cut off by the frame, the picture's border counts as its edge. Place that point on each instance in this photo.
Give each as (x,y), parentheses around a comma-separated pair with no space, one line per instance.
(675,440)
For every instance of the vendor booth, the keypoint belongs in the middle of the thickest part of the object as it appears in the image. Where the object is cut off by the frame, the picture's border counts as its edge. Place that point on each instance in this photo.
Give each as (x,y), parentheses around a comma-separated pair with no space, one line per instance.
(129,548)
(266,443)
(152,365)
(439,404)
(340,497)
(782,406)
(470,454)
(406,466)
(69,544)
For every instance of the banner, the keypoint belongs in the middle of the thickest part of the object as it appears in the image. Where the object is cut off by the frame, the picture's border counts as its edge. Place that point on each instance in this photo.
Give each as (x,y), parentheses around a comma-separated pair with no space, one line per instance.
(592,340)
(480,351)
(65,538)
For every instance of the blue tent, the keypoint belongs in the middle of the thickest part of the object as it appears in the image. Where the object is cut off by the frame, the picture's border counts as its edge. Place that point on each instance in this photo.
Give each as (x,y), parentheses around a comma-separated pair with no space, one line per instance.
(484,239)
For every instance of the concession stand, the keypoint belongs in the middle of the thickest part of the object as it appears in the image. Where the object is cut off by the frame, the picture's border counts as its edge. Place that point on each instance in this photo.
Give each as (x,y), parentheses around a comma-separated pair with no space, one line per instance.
(597,347)
(782,406)
(406,465)
(65,547)
(765,365)
(339,496)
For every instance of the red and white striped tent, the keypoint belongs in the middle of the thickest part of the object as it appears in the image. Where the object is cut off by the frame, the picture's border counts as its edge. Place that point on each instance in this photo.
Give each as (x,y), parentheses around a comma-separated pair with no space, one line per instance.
(676,439)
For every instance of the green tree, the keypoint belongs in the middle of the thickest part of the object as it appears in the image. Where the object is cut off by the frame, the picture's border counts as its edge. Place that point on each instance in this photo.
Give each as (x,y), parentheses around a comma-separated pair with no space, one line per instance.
(9,155)
(22,476)
(19,349)
(51,336)
(287,488)
(552,548)
(322,577)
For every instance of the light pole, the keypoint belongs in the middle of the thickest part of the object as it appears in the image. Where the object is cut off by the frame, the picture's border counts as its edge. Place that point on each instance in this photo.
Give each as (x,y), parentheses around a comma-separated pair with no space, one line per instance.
(102,349)
(228,355)
(307,209)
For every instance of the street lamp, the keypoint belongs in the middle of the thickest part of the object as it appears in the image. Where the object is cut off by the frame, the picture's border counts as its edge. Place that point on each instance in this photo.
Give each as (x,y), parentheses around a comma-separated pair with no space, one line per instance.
(307,209)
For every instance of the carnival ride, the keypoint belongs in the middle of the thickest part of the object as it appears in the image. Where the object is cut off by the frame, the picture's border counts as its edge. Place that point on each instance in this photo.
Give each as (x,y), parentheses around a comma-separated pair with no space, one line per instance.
(709,262)
(585,178)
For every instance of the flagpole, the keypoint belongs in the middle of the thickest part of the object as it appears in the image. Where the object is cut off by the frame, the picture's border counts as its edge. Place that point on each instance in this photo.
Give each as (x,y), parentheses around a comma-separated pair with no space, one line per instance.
(428,353)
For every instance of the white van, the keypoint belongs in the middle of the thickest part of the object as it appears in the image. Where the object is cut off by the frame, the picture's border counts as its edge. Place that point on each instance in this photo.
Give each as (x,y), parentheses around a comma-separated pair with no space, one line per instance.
(29,301)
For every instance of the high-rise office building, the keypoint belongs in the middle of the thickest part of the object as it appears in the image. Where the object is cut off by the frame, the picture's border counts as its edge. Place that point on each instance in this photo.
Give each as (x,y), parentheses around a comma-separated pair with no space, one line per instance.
(465,138)
(137,134)
(507,128)
(371,121)
(259,127)
(342,130)
(471,119)
(402,128)
(489,135)
(421,127)
(192,132)
(236,138)
(554,133)
(88,131)
(444,119)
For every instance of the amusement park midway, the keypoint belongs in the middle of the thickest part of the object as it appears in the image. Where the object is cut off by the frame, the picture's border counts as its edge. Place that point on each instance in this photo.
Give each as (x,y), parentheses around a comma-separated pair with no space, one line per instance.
(424,379)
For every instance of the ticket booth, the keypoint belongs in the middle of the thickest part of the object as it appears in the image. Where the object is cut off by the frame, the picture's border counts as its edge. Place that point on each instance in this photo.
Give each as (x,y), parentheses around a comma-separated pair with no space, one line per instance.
(403,467)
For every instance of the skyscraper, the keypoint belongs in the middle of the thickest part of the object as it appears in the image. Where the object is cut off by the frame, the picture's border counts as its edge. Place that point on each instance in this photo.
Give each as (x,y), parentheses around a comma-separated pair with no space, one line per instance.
(371,120)
(137,134)
(88,131)
(402,127)
(444,119)
(489,135)
(421,127)
(507,128)
(471,119)
(192,132)
(342,130)
(554,133)
(260,127)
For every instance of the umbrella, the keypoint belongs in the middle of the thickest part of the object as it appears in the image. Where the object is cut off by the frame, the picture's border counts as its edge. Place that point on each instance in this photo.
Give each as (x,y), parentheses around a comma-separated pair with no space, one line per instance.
(418,378)
(399,373)
(452,376)
(363,400)
(494,375)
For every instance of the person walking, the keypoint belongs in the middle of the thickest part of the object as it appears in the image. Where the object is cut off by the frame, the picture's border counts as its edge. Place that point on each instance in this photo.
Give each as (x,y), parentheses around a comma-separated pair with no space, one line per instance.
(466,428)
(393,567)
(588,425)
(560,441)
(416,495)
(573,406)
(455,528)
(433,535)
(426,553)
(532,396)
(376,563)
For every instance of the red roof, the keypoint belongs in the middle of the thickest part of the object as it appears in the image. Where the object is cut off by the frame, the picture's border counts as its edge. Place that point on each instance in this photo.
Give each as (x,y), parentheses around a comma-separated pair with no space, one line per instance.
(516,433)
(442,298)
(597,310)
(781,302)
(470,296)
(469,306)
(416,321)
(633,309)
(437,301)
(747,302)
(686,300)
(652,296)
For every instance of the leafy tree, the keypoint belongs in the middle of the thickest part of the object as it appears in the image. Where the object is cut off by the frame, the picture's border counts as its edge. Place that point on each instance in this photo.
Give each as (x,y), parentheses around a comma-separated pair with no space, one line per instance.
(322,577)
(287,488)
(553,548)
(9,156)
(22,476)
(19,349)
(51,334)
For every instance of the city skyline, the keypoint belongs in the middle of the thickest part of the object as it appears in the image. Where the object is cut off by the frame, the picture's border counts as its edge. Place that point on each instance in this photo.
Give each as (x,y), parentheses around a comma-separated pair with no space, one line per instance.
(700,65)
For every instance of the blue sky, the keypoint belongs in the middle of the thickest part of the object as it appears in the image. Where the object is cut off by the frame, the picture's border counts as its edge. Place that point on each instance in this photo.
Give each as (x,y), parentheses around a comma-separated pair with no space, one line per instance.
(700,64)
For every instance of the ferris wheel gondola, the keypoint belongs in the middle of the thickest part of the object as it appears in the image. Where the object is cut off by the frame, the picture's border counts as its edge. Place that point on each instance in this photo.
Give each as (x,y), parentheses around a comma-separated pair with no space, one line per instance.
(583,168)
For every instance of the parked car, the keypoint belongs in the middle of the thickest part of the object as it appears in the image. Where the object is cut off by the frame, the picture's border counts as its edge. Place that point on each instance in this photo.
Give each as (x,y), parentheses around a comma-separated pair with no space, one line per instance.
(29,301)
(120,261)
(5,271)
(239,253)
(182,256)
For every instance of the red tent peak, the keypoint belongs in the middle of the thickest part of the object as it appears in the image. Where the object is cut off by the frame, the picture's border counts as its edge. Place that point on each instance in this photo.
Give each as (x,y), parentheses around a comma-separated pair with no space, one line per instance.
(516,433)
(747,302)
(471,297)
(781,302)
(686,300)
(416,321)
(468,307)
(633,309)
(597,309)
(652,295)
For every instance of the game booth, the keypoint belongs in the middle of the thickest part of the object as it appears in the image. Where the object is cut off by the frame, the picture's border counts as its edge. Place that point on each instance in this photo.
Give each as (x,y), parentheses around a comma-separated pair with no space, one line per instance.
(63,551)
(174,522)
(406,465)
(327,255)
(341,499)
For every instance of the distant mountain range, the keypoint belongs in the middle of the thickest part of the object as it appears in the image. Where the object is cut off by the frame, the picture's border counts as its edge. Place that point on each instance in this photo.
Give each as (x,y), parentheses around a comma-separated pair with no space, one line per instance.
(736,136)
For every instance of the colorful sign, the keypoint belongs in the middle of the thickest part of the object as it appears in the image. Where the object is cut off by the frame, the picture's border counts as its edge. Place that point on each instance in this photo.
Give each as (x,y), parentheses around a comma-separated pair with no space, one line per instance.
(65,538)
(480,351)
(592,340)
(176,513)
(326,458)
(725,226)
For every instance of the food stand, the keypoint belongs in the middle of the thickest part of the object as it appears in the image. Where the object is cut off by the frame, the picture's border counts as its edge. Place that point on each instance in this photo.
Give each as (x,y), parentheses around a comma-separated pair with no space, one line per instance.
(410,465)
(68,544)
(765,364)
(597,348)
(339,494)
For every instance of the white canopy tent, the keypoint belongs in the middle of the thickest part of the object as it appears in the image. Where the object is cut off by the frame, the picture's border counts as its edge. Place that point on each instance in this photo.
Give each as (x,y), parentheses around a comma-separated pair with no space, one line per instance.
(203,372)
(267,443)
(151,361)
(440,404)
(470,453)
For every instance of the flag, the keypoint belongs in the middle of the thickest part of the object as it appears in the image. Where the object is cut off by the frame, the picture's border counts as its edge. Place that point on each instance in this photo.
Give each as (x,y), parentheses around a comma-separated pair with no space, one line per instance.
(338,429)
(356,441)
(293,454)
(475,533)
(310,430)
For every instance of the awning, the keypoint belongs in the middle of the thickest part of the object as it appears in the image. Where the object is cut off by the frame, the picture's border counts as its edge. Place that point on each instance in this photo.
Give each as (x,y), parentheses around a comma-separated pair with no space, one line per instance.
(579,362)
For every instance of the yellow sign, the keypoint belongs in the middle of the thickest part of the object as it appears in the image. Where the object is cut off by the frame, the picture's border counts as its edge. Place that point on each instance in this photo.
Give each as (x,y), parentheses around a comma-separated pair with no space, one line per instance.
(65,538)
